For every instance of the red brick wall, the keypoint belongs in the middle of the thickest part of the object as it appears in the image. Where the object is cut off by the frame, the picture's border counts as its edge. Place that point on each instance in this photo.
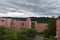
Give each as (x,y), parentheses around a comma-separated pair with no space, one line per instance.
(18,25)
(58,29)
(6,22)
(28,23)
(42,27)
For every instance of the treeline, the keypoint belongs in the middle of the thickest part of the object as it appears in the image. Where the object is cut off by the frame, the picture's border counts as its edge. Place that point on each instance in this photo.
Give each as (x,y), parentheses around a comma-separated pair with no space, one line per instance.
(42,19)
(38,19)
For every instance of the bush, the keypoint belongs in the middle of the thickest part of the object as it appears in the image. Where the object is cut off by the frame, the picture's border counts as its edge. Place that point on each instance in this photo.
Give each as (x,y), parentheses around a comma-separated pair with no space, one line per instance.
(24,34)
(27,34)
(52,38)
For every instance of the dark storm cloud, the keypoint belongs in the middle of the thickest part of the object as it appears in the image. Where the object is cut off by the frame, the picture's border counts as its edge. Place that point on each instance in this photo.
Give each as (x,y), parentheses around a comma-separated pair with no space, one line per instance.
(39,7)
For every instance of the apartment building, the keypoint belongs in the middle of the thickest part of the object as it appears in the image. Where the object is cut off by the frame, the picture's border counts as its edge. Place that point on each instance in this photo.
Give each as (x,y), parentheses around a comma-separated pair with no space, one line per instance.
(22,23)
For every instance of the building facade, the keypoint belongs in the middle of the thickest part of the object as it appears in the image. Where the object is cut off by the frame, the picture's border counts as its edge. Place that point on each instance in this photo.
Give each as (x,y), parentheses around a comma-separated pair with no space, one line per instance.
(19,24)
(58,29)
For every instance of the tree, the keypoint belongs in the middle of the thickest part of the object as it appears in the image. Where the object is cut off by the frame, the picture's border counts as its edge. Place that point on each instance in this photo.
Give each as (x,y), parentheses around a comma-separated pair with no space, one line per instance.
(2,33)
(52,27)
(7,34)
(51,31)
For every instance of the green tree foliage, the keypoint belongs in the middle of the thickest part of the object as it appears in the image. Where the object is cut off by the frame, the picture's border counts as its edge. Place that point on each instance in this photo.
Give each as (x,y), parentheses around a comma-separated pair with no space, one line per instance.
(51,28)
(51,38)
(2,32)
(7,34)
(24,34)
(27,34)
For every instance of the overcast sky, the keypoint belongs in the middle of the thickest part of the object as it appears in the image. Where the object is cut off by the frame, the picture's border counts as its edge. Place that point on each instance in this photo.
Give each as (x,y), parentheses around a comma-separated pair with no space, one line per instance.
(27,8)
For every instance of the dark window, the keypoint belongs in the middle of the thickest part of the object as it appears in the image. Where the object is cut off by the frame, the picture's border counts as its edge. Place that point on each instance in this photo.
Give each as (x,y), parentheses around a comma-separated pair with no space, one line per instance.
(22,24)
(2,25)
(2,20)
(12,23)
(33,25)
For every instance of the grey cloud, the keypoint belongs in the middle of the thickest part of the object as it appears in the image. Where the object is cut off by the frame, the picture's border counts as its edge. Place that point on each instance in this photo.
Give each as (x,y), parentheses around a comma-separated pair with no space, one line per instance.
(39,7)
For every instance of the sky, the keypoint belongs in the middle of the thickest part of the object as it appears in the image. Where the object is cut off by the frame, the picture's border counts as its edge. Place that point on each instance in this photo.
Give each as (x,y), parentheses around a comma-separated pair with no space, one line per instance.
(29,8)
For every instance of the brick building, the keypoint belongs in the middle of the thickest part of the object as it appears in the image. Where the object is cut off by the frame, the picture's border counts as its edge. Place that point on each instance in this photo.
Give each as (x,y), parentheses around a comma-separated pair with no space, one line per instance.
(22,23)
(58,29)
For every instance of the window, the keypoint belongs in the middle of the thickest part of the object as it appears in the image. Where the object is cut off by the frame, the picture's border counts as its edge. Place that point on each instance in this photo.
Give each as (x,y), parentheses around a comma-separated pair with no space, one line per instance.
(2,20)
(2,25)
(22,24)
(12,23)
(33,25)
